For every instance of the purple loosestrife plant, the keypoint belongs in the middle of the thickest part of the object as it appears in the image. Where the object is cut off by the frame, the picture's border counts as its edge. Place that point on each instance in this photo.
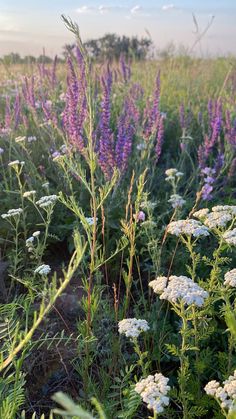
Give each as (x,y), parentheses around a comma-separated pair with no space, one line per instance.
(210,140)
(17,111)
(53,74)
(125,69)
(160,137)
(230,129)
(75,111)
(126,130)
(8,113)
(152,112)
(28,90)
(106,142)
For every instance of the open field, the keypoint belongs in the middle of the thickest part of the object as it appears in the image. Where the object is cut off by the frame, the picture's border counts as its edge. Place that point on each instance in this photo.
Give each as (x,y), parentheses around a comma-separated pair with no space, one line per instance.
(118,235)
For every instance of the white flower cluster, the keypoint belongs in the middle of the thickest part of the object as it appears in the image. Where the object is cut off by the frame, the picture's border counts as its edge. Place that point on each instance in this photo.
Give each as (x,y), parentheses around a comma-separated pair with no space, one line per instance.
(159,284)
(176,201)
(46,201)
(230,237)
(225,394)
(230,278)
(153,391)
(30,241)
(16,163)
(179,289)
(132,328)
(201,213)
(173,174)
(218,217)
(12,213)
(28,194)
(42,270)
(188,227)
(90,220)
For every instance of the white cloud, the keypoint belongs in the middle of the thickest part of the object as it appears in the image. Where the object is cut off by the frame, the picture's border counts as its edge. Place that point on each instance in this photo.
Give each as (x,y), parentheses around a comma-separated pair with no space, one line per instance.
(168,6)
(84,9)
(136,9)
(104,9)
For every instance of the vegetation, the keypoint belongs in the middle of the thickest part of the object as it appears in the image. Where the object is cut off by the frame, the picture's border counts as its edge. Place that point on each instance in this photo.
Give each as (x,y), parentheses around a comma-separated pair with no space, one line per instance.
(118,237)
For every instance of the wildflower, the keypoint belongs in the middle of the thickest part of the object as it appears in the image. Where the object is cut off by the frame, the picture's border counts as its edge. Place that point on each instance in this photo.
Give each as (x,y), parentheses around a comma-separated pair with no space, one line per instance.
(46,201)
(90,220)
(176,201)
(188,227)
(12,213)
(171,172)
(179,289)
(132,328)
(231,209)
(56,154)
(140,216)
(141,146)
(217,219)
(230,278)
(20,139)
(212,387)
(42,270)
(230,236)
(45,185)
(201,213)
(14,163)
(159,284)
(28,194)
(225,394)
(153,391)
(36,234)
(1,150)
(29,241)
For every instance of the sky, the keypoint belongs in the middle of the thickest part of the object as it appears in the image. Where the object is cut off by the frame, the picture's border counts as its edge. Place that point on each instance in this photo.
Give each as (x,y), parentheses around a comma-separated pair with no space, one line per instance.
(29,26)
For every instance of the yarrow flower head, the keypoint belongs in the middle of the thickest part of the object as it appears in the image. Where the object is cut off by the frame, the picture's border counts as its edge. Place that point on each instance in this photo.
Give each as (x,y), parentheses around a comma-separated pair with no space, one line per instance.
(179,289)
(159,284)
(230,278)
(36,233)
(176,201)
(226,394)
(201,214)
(218,217)
(230,237)
(46,201)
(16,163)
(90,220)
(28,194)
(132,328)
(187,227)
(173,176)
(42,270)
(29,241)
(12,213)
(153,391)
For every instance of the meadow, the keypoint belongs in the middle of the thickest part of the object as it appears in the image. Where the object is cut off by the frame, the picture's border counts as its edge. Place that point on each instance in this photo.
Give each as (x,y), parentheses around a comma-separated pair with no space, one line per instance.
(117,238)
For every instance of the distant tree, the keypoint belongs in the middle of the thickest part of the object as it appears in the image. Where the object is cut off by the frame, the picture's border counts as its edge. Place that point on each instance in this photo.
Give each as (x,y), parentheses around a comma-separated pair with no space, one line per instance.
(44,59)
(67,49)
(112,46)
(12,58)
